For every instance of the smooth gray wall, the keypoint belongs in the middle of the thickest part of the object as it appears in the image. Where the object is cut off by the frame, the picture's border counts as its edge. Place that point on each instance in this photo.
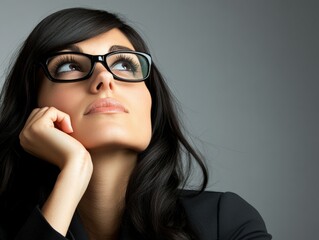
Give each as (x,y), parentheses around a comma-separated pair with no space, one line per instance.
(246,75)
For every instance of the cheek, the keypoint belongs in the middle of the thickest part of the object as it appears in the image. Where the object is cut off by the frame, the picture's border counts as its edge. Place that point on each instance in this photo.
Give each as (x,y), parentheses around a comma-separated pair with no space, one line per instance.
(55,100)
(142,122)
(50,95)
(53,95)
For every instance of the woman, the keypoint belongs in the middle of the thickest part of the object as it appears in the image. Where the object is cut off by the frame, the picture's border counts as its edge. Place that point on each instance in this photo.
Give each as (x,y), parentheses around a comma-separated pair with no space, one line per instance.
(91,146)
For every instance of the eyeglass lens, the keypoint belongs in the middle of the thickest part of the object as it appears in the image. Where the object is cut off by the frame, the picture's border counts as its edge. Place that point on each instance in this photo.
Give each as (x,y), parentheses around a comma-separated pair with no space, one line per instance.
(70,66)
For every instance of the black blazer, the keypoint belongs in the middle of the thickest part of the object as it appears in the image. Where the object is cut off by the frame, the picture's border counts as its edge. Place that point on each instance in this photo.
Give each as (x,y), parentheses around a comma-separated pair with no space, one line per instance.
(215,215)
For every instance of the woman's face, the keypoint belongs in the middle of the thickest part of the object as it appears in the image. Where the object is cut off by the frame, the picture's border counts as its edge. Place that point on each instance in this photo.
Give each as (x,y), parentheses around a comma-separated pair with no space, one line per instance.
(124,121)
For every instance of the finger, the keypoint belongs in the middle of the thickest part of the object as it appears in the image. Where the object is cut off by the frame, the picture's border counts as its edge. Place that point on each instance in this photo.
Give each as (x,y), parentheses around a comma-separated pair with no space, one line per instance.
(35,114)
(30,119)
(59,119)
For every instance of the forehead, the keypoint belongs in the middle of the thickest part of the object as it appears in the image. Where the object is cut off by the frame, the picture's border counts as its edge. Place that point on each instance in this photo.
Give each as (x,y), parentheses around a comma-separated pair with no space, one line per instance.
(101,44)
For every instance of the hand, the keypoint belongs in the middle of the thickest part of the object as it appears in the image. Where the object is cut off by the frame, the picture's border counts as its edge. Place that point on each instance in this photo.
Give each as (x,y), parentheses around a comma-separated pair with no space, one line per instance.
(46,135)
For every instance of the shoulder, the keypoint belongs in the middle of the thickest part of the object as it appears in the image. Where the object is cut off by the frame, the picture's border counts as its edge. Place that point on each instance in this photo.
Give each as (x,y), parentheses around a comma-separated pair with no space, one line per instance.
(225,215)
(202,207)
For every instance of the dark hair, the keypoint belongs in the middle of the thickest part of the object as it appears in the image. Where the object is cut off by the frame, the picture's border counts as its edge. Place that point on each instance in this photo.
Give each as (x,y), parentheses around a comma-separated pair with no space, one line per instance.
(153,192)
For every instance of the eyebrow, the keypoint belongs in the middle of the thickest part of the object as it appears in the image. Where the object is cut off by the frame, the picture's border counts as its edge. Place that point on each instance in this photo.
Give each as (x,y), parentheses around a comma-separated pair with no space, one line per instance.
(76,48)
(119,47)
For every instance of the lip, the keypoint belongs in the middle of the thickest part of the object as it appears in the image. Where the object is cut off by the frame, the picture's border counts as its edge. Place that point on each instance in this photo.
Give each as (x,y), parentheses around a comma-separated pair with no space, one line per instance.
(105,105)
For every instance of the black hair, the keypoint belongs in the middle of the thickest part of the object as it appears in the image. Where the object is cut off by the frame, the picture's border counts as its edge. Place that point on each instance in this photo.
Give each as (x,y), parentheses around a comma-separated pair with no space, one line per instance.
(154,188)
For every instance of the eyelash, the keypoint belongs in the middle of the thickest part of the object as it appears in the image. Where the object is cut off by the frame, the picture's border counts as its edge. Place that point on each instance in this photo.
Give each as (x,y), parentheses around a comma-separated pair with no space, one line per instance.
(120,58)
(63,61)
(127,59)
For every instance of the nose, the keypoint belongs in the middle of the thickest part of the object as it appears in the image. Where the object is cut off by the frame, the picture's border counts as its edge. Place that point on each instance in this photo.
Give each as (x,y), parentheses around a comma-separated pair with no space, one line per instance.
(101,79)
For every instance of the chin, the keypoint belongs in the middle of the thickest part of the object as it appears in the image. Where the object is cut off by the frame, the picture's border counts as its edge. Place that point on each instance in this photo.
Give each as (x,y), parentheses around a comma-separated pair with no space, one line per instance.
(114,136)
(112,143)
(115,146)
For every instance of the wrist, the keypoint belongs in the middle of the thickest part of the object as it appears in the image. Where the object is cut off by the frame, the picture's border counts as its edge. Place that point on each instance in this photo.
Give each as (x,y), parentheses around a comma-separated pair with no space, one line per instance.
(67,192)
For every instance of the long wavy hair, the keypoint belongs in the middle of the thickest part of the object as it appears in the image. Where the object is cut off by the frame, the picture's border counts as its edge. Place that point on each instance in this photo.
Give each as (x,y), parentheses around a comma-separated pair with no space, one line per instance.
(154,189)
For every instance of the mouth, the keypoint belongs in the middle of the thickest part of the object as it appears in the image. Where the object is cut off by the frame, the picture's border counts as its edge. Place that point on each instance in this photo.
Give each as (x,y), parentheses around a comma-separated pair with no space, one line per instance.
(105,105)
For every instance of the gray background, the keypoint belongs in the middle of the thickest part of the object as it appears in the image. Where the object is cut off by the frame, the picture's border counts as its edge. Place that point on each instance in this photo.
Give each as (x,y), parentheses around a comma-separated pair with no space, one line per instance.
(246,76)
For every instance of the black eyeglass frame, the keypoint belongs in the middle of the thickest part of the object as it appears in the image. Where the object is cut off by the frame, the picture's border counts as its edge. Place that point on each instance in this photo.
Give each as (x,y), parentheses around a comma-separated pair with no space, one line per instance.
(94,59)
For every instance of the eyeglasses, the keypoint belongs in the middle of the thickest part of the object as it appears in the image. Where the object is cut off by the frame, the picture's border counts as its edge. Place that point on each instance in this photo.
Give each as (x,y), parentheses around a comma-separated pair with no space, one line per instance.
(128,66)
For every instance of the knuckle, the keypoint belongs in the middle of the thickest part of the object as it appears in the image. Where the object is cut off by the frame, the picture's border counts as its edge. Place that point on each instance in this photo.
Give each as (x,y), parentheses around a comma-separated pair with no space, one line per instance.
(51,109)
(35,110)
(24,139)
(30,131)
(21,136)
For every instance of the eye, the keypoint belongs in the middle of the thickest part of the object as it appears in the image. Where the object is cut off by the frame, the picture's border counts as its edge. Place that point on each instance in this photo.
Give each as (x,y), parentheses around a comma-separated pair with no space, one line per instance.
(67,67)
(124,62)
(124,65)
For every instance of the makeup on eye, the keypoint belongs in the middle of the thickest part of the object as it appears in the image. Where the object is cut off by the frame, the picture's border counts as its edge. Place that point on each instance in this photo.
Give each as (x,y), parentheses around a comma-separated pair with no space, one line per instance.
(68,65)
(124,62)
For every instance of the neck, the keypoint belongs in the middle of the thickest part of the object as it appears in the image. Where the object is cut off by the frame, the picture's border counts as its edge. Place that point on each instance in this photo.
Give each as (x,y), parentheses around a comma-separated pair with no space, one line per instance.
(102,205)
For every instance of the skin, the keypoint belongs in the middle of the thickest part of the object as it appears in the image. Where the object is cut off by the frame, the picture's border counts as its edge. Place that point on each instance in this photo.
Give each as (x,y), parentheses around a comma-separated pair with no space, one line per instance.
(95,152)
